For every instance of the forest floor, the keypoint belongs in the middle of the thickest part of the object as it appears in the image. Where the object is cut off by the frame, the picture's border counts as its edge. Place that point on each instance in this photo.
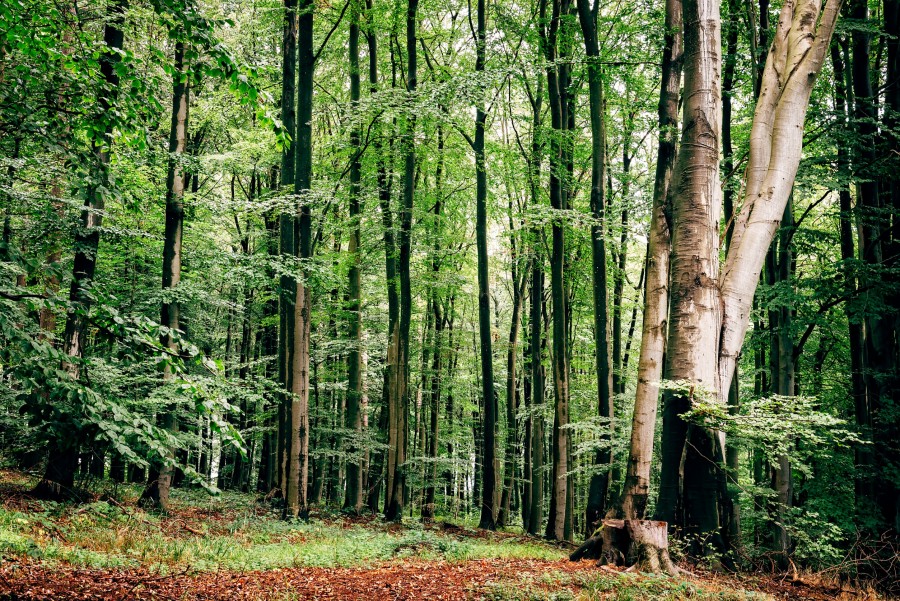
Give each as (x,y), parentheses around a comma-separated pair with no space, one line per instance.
(234,547)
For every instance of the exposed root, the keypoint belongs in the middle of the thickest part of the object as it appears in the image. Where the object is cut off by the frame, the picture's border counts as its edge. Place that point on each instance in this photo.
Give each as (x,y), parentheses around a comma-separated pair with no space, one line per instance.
(643,545)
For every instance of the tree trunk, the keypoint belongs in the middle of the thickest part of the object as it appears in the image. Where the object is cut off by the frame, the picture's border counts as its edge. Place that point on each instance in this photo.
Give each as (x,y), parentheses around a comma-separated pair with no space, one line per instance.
(59,478)
(512,350)
(598,492)
(489,399)
(353,500)
(863,456)
(694,303)
(656,294)
(399,407)
(157,492)
(557,522)
(286,242)
(298,464)
(431,475)
(730,502)
(641,544)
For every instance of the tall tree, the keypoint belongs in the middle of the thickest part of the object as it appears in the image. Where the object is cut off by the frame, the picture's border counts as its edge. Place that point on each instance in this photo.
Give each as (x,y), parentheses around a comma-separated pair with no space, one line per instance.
(489,398)
(160,477)
(286,235)
(399,408)
(298,463)
(354,497)
(600,482)
(59,477)
(656,295)
(558,521)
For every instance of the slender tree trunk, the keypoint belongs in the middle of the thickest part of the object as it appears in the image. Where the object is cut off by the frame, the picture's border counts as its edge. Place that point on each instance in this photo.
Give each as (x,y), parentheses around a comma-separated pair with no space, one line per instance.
(785,380)
(59,478)
(298,465)
(557,523)
(157,491)
(512,351)
(431,476)
(286,242)
(354,497)
(730,502)
(656,295)
(489,399)
(863,456)
(598,492)
(377,466)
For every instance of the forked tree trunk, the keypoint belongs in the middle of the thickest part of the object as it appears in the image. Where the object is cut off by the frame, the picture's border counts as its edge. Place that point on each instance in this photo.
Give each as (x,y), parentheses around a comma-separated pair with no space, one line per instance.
(710,313)
(801,40)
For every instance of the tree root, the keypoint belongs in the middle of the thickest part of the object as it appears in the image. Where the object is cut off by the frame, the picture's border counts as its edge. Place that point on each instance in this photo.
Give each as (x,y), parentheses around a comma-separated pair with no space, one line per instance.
(643,545)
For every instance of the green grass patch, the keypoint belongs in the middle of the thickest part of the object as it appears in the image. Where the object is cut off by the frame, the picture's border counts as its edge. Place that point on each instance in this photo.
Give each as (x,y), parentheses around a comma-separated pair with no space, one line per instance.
(232,532)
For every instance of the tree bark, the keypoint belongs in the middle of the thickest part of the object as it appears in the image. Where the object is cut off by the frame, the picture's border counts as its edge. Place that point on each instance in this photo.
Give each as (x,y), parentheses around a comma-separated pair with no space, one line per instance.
(59,478)
(398,409)
(298,464)
(353,500)
(156,494)
(656,294)
(694,303)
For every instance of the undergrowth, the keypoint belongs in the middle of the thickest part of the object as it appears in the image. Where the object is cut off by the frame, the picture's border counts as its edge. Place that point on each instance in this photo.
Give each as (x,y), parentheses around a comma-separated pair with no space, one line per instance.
(235,532)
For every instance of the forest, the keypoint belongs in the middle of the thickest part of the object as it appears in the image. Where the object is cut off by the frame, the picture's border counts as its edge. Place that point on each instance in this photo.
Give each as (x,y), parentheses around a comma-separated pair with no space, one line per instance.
(489,299)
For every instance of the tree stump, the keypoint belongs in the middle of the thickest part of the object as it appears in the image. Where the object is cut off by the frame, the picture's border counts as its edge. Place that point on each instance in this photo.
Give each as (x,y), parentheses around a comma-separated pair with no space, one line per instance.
(643,545)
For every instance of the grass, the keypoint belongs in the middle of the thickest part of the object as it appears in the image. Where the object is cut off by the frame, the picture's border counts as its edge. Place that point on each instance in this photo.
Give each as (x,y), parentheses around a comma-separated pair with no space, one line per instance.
(239,532)
(233,532)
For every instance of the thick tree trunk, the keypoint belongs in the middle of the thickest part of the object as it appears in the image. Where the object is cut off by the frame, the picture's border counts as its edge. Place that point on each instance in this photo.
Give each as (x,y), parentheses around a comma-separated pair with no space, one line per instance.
(399,407)
(157,492)
(694,303)
(656,294)
(641,544)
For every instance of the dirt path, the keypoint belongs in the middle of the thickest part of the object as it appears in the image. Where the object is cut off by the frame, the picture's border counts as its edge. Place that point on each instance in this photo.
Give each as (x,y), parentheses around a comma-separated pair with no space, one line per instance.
(408,580)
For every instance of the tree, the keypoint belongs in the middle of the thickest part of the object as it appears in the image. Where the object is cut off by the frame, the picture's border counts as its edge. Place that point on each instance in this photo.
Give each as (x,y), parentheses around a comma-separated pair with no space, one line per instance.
(160,480)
